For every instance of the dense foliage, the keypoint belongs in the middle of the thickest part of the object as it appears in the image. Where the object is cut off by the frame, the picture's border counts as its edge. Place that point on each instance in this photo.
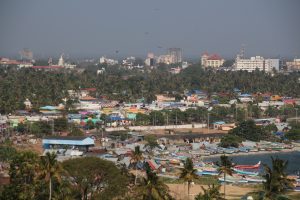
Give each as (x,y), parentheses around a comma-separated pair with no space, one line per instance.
(50,88)
(34,177)
(277,181)
(247,130)
(230,141)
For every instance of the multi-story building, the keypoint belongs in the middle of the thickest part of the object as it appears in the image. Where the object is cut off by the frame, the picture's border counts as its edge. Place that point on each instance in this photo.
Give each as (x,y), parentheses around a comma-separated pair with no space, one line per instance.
(212,60)
(104,60)
(256,63)
(293,65)
(167,59)
(176,55)
(150,60)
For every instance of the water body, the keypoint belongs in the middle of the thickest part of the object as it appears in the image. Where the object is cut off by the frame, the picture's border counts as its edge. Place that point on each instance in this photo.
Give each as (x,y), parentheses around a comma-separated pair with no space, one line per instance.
(292,157)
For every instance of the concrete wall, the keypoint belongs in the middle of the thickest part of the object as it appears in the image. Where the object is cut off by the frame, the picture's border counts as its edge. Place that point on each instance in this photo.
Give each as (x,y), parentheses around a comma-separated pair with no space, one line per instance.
(144,128)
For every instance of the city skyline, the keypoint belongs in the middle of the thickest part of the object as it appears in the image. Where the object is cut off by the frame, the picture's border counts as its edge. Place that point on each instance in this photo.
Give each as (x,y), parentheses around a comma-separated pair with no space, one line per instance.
(118,29)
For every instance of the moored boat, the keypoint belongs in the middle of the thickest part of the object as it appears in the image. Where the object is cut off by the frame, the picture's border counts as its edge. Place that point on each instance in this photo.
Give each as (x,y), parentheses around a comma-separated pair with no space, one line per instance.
(256,166)
(245,172)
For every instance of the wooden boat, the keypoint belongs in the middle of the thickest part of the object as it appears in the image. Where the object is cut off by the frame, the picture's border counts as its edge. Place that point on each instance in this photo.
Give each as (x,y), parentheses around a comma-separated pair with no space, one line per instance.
(245,172)
(256,166)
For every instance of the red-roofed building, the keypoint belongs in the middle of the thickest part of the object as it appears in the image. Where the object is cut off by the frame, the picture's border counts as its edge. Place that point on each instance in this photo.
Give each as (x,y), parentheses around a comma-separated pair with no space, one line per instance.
(212,60)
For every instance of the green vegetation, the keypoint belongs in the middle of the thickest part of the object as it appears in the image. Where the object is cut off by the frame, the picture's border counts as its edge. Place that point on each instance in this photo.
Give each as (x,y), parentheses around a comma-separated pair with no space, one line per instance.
(247,130)
(277,182)
(225,168)
(211,193)
(188,173)
(293,134)
(151,142)
(96,178)
(50,88)
(230,141)
(34,177)
(135,159)
(152,187)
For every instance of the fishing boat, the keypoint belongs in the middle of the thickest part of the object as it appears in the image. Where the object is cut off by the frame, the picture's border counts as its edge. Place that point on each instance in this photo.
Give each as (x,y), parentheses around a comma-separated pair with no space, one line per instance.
(254,179)
(209,173)
(256,166)
(245,172)
(231,179)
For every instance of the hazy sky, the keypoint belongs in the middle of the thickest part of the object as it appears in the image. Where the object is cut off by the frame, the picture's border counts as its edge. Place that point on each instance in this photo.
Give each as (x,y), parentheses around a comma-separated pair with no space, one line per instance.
(100,27)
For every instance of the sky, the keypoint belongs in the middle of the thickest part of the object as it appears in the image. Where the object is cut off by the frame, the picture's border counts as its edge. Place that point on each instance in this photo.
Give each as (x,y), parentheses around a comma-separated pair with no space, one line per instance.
(115,28)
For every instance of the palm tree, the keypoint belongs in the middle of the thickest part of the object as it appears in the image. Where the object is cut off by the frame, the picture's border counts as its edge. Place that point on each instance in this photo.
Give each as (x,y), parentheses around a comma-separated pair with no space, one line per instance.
(50,168)
(153,188)
(212,192)
(276,179)
(188,173)
(225,167)
(136,158)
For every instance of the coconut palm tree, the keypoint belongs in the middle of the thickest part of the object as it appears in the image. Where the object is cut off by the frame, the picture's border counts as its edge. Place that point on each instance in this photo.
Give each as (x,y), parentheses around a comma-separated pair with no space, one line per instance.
(136,157)
(188,173)
(276,179)
(152,188)
(212,192)
(50,168)
(225,167)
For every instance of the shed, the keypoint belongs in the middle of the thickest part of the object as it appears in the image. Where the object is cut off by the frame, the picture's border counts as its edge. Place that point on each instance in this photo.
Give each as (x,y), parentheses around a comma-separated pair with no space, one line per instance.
(81,142)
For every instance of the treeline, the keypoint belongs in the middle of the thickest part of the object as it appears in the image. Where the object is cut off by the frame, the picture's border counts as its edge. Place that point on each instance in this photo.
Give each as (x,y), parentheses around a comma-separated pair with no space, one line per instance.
(43,177)
(50,88)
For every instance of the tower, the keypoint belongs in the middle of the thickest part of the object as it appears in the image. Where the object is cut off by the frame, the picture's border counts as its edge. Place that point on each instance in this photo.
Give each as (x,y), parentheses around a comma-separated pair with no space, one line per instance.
(61,61)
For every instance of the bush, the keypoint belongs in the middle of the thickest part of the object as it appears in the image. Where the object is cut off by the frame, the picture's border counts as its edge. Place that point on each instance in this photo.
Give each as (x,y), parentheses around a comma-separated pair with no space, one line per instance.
(230,141)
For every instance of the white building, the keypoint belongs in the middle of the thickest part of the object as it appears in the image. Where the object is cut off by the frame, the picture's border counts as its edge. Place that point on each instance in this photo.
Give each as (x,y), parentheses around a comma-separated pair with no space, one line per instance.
(61,62)
(257,62)
(108,61)
(293,65)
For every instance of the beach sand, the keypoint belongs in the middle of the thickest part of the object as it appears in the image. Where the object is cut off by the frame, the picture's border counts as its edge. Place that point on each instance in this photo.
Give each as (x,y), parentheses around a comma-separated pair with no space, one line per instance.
(179,191)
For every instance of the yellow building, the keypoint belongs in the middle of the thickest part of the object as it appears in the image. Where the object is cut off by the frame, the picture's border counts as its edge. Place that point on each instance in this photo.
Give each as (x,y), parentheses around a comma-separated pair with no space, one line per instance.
(212,60)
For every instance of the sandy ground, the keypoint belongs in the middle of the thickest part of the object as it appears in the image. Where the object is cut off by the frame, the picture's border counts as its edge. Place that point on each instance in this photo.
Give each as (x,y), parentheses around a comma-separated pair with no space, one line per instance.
(179,191)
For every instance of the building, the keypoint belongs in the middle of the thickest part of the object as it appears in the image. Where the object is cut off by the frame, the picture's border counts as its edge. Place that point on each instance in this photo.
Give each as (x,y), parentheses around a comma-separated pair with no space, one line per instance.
(173,56)
(213,60)
(176,55)
(69,142)
(166,59)
(150,61)
(21,64)
(129,62)
(164,98)
(257,63)
(62,63)
(293,65)
(108,61)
